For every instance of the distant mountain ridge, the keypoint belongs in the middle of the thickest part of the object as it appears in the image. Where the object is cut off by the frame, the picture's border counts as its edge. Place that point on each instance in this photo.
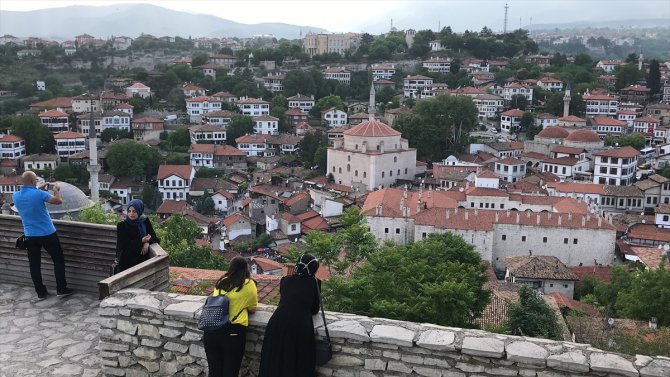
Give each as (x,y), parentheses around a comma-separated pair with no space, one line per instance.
(131,20)
(614,24)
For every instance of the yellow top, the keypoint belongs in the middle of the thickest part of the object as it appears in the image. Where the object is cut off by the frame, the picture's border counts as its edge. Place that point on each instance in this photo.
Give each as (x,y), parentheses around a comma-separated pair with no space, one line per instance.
(245,298)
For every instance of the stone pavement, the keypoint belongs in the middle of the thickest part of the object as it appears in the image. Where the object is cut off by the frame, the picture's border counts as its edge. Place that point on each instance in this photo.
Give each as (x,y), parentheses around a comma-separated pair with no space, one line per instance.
(56,336)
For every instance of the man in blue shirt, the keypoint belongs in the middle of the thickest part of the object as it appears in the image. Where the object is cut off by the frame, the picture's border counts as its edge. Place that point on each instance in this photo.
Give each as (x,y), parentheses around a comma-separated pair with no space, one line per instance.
(40,232)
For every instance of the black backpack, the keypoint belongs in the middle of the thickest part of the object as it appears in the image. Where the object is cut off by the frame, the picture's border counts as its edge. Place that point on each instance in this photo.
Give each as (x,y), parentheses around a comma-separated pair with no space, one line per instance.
(214,315)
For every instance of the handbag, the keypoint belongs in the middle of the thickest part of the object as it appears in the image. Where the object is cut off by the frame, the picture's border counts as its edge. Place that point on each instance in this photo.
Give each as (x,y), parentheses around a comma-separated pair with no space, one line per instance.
(21,242)
(323,348)
(214,315)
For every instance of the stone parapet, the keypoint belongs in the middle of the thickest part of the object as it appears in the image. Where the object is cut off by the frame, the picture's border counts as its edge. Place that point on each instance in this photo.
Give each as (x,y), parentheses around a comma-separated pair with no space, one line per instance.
(144,333)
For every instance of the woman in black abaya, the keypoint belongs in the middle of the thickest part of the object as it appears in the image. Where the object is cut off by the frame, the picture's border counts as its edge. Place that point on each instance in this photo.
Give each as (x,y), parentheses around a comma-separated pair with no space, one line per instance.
(288,347)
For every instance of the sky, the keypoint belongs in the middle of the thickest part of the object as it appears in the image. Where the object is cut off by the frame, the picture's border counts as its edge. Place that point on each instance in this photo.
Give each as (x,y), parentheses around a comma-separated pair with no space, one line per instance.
(375,16)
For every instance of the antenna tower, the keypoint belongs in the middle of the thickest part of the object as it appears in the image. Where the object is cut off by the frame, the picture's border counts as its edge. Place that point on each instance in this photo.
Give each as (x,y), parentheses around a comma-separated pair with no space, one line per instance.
(505,24)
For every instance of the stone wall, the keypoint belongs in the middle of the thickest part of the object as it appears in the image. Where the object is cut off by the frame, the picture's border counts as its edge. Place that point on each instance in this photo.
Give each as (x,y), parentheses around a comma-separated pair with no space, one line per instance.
(145,333)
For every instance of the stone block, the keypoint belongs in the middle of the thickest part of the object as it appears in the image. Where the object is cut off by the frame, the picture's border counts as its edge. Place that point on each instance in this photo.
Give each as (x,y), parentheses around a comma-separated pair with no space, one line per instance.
(375,364)
(342,373)
(125,361)
(435,362)
(150,366)
(392,335)
(526,352)
(113,302)
(499,371)
(176,347)
(106,346)
(449,373)
(146,353)
(428,372)
(412,359)
(108,323)
(151,342)
(185,359)
(145,302)
(197,351)
(169,333)
(109,371)
(126,326)
(642,360)
(347,330)
(148,330)
(391,355)
(169,368)
(611,363)
(109,363)
(656,368)
(108,312)
(437,340)
(259,319)
(470,368)
(174,323)
(185,309)
(527,373)
(167,355)
(192,371)
(192,336)
(487,347)
(136,373)
(346,361)
(397,366)
(572,361)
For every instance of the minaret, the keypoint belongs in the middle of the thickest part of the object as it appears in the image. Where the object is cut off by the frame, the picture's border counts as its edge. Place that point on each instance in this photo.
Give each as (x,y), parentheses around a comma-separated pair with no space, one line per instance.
(372,105)
(566,102)
(93,167)
(639,61)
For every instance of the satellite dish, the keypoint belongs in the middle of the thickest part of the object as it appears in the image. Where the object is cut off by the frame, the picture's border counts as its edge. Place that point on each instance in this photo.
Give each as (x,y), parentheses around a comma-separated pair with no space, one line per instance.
(610,321)
(666,247)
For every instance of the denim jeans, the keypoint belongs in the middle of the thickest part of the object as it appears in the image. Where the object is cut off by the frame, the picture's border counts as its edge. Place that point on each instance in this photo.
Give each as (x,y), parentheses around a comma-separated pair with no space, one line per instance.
(51,244)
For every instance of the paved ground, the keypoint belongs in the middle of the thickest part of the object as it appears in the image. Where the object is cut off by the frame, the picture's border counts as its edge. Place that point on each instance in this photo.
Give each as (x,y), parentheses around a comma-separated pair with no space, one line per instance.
(47,338)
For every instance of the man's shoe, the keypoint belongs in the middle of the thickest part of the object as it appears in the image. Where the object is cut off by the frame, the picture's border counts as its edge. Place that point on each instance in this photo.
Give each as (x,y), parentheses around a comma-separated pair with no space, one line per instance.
(42,296)
(64,293)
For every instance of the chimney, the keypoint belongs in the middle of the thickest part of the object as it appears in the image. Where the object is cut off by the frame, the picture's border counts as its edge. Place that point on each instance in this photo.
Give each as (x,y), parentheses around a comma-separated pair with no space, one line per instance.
(549,215)
(507,213)
(600,221)
(560,219)
(570,215)
(466,215)
(528,214)
(538,219)
(447,213)
(583,220)
(497,216)
(518,217)
(456,211)
(378,210)
(381,147)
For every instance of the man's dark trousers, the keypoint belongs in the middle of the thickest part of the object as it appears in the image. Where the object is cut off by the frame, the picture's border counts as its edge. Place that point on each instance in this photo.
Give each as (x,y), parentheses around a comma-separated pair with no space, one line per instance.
(51,244)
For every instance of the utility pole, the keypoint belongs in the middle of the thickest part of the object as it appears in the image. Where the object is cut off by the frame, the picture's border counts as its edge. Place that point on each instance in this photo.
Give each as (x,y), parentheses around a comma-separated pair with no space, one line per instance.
(505,24)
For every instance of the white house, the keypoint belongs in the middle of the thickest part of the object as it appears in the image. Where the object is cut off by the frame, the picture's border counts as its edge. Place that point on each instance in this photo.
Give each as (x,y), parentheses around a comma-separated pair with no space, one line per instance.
(435,64)
(646,125)
(197,106)
(510,169)
(627,116)
(274,83)
(207,133)
(303,103)
(513,89)
(255,145)
(174,181)
(382,71)
(546,120)
(608,65)
(598,104)
(57,121)
(604,126)
(253,107)
(487,179)
(615,166)
(266,124)
(549,83)
(219,118)
(138,89)
(69,143)
(488,105)
(414,86)
(333,117)
(223,201)
(510,120)
(337,73)
(115,119)
(40,161)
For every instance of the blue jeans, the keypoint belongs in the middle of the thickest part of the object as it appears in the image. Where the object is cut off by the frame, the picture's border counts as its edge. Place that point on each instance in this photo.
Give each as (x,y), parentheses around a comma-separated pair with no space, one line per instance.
(51,244)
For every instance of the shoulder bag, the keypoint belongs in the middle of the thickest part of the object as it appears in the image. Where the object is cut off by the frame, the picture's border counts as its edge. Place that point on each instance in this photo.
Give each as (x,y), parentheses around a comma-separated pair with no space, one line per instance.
(21,242)
(214,315)
(324,350)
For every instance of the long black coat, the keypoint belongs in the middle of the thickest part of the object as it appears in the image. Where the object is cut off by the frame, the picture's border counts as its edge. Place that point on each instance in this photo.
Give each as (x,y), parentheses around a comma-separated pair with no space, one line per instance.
(288,347)
(129,244)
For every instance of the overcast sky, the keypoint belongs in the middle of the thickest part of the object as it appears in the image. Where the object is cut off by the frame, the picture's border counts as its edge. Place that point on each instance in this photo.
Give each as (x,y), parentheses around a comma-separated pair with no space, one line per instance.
(374,16)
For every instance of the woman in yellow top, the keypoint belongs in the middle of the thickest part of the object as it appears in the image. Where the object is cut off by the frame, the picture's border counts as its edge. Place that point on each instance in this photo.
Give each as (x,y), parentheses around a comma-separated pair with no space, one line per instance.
(225,347)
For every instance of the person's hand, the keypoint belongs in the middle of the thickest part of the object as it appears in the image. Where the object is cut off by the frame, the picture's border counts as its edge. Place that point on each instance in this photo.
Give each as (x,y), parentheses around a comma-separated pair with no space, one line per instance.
(43,185)
(56,187)
(145,248)
(146,238)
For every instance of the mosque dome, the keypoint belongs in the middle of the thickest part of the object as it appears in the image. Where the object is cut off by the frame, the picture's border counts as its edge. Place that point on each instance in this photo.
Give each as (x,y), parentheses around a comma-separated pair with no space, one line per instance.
(583,136)
(554,133)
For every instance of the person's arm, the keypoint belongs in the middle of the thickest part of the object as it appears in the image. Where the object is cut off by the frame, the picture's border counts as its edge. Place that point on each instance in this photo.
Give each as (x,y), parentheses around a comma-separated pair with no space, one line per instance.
(252,302)
(152,233)
(56,199)
(315,301)
(121,243)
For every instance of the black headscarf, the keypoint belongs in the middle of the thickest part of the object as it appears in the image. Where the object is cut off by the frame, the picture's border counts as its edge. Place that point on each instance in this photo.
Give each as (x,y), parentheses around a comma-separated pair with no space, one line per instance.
(307,265)
(141,222)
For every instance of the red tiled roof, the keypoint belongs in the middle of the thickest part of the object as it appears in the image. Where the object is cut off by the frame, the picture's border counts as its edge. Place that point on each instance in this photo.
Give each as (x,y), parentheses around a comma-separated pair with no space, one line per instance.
(302,195)
(565,302)
(181,171)
(571,118)
(554,133)
(580,188)
(539,267)
(607,121)
(390,198)
(69,135)
(584,136)
(172,206)
(337,187)
(138,85)
(619,152)
(62,102)
(232,219)
(649,232)
(254,138)
(147,120)
(288,217)
(511,161)
(567,161)
(203,99)
(266,264)
(567,150)
(267,190)
(52,113)
(646,119)
(487,174)
(294,111)
(372,128)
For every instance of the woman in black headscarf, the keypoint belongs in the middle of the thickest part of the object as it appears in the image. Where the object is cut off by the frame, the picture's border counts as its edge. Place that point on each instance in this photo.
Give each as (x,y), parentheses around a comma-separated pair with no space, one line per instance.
(288,346)
(133,236)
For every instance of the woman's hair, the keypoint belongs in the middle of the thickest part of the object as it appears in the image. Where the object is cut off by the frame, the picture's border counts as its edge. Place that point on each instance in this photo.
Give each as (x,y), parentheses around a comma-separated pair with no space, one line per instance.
(238,272)
(307,265)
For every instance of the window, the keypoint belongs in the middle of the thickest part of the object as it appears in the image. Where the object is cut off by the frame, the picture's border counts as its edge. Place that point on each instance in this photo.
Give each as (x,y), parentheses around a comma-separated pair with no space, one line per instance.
(565,285)
(423,235)
(544,239)
(551,285)
(382,174)
(666,217)
(397,230)
(504,237)
(574,241)
(523,238)
(386,230)
(565,241)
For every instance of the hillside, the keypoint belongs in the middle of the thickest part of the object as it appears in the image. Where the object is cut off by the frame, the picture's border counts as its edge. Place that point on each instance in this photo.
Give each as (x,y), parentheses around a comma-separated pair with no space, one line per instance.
(131,20)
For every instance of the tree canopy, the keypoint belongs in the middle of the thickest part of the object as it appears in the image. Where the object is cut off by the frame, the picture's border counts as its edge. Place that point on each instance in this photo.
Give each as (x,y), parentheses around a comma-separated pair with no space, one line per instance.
(129,158)
(531,316)
(437,280)
(37,136)
(240,125)
(635,140)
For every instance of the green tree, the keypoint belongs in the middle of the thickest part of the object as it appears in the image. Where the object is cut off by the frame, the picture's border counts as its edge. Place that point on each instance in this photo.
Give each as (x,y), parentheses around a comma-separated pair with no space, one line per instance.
(97,215)
(309,145)
(519,101)
(37,136)
(326,103)
(438,126)
(110,134)
(437,280)
(654,78)
(666,172)
(205,172)
(626,75)
(635,140)
(531,316)
(421,44)
(73,174)
(179,138)
(648,296)
(240,125)
(151,196)
(199,58)
(205,205)
(527,125)
(129,158)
